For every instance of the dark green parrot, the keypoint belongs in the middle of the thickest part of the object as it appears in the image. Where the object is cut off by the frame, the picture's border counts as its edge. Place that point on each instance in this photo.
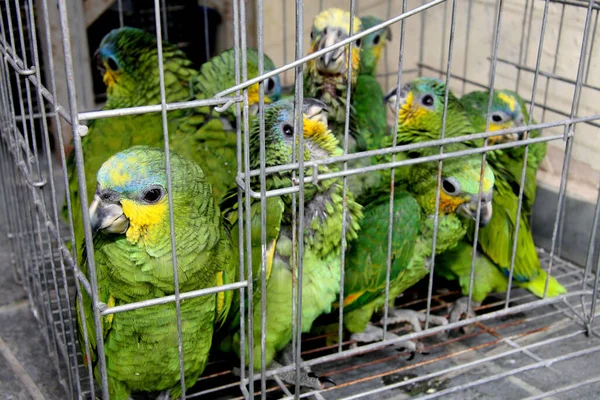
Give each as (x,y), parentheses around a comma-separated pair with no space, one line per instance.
(322,234)
(422,102)
(132,248)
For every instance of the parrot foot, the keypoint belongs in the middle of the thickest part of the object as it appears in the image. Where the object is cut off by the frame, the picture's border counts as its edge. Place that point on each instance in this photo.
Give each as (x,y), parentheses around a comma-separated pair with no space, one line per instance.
(461,310)
(414,318)
(374,333)
(166,395)
(307,378)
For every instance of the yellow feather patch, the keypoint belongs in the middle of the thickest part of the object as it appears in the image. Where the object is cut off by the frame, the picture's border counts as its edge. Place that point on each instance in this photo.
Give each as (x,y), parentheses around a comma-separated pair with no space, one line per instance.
(508,99)
(111,303)
(254,95)
(407,113)
(119,175)
(110,77)
(142,217)
(270,256)
(318,133)
(449,204)
(338,18)
(220,295)
(351,298)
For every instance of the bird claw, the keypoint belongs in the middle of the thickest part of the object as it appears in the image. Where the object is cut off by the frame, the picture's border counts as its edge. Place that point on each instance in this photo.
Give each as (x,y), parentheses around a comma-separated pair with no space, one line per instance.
(460,310)
(322,379)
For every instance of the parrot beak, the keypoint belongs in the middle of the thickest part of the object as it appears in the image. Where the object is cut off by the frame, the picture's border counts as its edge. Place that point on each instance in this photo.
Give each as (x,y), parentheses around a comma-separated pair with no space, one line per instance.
(107,216)
(315,109)
(469,209)
(99,63)
(334,61)
(390,98)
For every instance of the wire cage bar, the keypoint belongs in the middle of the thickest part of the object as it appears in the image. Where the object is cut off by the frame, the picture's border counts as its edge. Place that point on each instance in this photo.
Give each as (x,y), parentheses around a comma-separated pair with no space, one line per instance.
(512,338)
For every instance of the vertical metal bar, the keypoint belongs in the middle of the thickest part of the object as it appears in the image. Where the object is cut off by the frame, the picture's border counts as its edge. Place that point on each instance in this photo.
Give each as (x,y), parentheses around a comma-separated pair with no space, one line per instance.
(163,103)
(569,144)
(263,203)
(440,162)
(386,69)
(249,266)
(120,8)
(468,35)
(556,58)
(165,23)
(285,44)
(240,149)
(422,40)
(524,50)
(206,30)
(526,155)
(483,156)
(444,23)
(345,179)
(590,255)
(299,129)
(89,246)
(591,50)
(392,182)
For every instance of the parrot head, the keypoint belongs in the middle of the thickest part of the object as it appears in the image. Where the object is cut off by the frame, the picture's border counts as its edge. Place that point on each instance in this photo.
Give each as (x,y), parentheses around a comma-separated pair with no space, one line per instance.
(459,191)
(280,136)
(421,111)
(329,27)
(131,196)
(508,111)
(127,60)
(373,45)
(272,85)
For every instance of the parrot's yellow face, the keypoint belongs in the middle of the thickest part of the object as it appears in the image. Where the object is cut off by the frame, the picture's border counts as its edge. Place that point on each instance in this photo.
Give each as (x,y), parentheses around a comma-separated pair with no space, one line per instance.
(330,27)
(130,199)
(506,114)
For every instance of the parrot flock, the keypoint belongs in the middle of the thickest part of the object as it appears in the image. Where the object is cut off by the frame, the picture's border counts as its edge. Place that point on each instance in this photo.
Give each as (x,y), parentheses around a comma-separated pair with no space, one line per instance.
(433,213)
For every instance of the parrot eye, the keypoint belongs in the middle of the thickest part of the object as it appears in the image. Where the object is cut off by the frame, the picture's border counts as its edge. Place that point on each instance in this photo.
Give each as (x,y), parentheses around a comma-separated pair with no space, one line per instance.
(112,64)
(325,31)
(312,35)
(270,84)
(451,186)
(496,117)
(288,130)
(358,42)
(153,195)
(427,100)
(376,40)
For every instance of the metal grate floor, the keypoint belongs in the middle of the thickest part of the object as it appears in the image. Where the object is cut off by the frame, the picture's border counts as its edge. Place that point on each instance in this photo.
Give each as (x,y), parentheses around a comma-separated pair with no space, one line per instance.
(530,354)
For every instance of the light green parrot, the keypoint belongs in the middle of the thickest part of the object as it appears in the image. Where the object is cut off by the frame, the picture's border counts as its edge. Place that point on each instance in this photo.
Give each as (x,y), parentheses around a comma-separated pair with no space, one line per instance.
(422,102)
(322,235)
(133,258)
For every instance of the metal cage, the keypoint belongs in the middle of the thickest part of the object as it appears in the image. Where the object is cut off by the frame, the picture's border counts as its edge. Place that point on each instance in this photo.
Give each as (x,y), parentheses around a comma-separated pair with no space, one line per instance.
(437,37)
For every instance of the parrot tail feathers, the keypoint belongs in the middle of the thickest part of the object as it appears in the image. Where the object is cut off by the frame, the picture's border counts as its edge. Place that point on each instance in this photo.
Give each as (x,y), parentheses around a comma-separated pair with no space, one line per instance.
(537,285)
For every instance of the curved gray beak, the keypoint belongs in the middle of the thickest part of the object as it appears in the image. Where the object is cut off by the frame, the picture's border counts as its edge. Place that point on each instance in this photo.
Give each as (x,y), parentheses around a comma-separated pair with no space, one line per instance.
(469,209)
(315,109)
(333,61)
(107,216)
(391,97)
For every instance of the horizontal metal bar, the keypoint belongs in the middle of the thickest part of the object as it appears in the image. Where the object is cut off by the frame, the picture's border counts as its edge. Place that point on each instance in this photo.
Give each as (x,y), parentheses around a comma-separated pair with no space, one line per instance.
(431,331)
(319,53)
(88,115)
(546,74)
(563,389)
(171,298)
(544,363)
(35,116)
(434,143)
(468,365)
(402,163)
(583,4)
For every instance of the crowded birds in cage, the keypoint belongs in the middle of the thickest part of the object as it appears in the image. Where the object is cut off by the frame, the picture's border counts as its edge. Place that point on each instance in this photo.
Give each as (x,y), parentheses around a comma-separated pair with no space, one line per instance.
(355,242)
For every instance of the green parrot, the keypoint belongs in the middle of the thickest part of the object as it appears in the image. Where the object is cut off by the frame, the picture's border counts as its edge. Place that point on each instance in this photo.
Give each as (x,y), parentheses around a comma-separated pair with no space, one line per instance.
(129,61)
(322,234)
(218,74)
(422,101)
(132,248)
(412,240)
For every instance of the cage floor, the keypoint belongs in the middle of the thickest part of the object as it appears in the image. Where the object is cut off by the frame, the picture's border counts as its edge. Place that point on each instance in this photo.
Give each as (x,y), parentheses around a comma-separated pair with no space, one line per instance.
(532,354)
